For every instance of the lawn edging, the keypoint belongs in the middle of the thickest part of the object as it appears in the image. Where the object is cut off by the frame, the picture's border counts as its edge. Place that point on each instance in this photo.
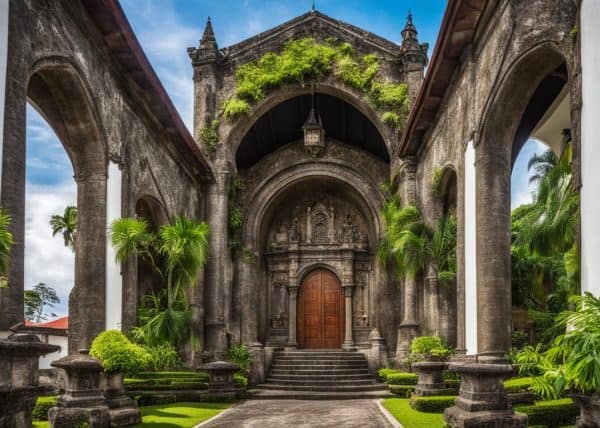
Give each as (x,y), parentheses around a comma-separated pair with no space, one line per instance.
(386,414)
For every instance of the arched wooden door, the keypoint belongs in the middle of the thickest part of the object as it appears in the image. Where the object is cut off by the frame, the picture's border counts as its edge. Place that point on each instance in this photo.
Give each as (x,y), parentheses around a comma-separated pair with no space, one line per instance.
(320,311)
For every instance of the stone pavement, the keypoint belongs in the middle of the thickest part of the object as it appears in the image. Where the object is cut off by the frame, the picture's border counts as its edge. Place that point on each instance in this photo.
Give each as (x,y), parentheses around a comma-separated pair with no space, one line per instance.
(301,413)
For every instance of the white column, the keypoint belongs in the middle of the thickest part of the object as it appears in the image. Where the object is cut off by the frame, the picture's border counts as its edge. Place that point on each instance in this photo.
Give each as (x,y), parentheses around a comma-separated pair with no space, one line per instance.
(3,65)
(114,280)
(590,147)
(470,252)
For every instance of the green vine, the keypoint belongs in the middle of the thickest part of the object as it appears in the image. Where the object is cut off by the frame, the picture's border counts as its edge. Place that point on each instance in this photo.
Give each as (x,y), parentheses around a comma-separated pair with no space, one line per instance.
(304,59)
(235,219)
(209,135)
(436,183)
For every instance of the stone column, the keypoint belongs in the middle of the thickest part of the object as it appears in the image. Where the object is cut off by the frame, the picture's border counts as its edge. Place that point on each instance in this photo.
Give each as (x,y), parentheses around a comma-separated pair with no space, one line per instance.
(293,318)
(348,337)
(409,327)
(434,300)
(114,280)
(218,290)
(87,299)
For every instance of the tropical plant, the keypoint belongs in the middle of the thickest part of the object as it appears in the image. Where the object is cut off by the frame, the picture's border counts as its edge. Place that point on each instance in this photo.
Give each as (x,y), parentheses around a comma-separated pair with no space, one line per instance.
(183,248)
(66,224)
(118,354)
(37,299)
(427,347)
(414,246)
(6,242)
(241,356)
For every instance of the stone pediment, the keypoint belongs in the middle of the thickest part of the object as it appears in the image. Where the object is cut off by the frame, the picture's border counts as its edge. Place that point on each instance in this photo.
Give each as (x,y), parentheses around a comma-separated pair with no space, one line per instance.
(314,24)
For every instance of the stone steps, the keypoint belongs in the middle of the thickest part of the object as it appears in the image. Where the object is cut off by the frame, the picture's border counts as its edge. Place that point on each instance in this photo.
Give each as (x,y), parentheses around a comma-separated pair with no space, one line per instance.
(322,373)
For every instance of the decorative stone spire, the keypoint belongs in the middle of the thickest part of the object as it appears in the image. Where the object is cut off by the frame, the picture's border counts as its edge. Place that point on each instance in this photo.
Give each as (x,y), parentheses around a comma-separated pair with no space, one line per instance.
(410,31)
(208,51)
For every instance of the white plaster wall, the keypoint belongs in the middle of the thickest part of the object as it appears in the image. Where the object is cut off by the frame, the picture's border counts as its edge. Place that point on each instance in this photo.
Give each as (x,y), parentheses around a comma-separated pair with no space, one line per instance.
(470,252)
(61,341)
(590,147)
(114,280)
(3,60)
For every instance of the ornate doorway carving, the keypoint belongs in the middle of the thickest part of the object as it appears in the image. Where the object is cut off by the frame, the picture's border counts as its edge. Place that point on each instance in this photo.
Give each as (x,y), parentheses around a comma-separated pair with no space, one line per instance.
(320,311)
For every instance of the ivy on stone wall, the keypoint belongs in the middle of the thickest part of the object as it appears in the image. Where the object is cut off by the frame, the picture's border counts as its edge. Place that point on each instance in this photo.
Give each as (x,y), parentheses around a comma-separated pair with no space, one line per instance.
(304,59)
(209,135)
(436,183)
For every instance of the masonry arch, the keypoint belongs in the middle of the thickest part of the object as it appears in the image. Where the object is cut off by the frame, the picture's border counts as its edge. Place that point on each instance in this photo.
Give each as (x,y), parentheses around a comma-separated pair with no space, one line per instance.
(329,87)
(516,108)
(285,253)
(59,92)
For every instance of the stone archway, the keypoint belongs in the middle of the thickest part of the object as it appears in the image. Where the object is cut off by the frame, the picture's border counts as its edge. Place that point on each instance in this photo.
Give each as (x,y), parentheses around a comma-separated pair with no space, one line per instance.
(61,94)
(320,311)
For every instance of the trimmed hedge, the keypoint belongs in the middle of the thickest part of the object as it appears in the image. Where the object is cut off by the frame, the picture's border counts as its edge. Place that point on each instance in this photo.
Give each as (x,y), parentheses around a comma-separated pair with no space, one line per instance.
(164,381)
(240,380)
(432,404)
(402,390)
(42,405)
(519,384)
(171,375)
(402,378)
(551,413)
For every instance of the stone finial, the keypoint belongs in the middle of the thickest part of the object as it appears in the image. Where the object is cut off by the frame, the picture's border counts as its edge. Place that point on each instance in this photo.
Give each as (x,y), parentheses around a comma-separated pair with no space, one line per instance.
(208,51)
(410,31)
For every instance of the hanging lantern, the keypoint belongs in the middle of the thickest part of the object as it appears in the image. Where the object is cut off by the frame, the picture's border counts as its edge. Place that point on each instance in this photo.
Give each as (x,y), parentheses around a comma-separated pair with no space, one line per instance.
(314,133)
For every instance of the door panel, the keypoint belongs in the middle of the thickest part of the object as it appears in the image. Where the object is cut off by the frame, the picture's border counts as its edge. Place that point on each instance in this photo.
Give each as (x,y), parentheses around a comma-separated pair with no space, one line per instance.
(320,311)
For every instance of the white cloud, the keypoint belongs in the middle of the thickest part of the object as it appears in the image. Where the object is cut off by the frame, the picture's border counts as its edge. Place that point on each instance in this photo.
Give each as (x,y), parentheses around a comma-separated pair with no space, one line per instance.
(46,258)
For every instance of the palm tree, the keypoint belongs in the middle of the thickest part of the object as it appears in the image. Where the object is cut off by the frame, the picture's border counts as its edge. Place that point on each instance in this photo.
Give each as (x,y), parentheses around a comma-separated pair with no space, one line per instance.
(183,244)
(6,242)
(67,225)
(414,245)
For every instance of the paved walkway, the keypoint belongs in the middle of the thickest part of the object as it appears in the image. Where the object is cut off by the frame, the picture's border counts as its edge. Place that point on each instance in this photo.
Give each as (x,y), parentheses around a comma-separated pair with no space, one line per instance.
(301,413)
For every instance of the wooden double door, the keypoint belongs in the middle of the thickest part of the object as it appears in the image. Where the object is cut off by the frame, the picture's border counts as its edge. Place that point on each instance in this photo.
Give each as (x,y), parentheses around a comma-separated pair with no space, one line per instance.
(320,311)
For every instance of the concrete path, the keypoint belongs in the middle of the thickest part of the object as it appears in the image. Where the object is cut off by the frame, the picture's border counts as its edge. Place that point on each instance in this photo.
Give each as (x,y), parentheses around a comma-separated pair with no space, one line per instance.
(301,413)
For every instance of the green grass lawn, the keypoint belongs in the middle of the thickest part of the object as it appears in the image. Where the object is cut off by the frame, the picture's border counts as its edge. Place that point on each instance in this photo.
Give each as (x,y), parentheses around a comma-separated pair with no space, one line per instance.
(410,418)
(41,424)
(179,415)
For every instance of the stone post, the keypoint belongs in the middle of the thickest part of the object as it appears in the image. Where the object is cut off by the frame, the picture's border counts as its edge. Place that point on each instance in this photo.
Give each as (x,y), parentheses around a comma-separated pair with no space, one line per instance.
(220,379)
(19,378)
(293,319)
(82,401)
(349,338)
(257,371)
(431,377)
(377,354)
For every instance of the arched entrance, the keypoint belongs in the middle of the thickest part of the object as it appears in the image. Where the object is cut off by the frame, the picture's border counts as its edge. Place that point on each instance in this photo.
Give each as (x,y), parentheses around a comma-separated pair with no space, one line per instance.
(320,311)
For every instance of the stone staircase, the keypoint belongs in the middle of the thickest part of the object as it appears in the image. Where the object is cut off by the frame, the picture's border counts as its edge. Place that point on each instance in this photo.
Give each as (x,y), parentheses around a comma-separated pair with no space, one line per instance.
(321,374)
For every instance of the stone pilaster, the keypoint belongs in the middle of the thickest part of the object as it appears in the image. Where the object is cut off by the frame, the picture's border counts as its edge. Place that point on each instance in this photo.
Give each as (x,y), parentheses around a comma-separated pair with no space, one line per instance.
(348,337)
(293,318)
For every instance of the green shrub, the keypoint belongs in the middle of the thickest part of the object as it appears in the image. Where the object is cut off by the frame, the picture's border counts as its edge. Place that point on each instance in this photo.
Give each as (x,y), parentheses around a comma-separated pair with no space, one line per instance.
(42,405)
(424,347)
(432,404)
(384,372)
(304,59)
(209,135)
(164,357)
(401,378)
(241,356)
(235,219)
(234,107)
(552,413)
(519,384)
(402,390)
(118,353)
(436,182)
(240,380)
(391,118)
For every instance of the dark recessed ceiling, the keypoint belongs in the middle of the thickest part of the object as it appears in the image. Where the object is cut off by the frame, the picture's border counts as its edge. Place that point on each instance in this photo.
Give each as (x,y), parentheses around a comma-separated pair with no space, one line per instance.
(283,124)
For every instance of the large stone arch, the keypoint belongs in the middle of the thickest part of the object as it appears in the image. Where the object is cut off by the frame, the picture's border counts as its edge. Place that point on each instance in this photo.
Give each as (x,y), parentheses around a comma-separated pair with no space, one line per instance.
(493,168)
(267,195)
(330,86)
(57,88)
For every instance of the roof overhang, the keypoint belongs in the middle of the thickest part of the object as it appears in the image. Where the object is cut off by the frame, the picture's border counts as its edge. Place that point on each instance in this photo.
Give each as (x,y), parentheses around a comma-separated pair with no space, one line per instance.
(456,32)
(123,44)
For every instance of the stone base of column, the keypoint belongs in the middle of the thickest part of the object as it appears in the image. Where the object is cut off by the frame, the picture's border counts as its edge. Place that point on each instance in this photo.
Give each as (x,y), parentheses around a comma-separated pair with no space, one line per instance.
(406,333)
(482,399)
(431,377)
(349,345)
(290,346)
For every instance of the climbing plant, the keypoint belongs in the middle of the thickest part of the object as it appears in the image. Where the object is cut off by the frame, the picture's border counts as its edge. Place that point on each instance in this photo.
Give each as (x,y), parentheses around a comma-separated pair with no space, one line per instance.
(304,59)
(209,135)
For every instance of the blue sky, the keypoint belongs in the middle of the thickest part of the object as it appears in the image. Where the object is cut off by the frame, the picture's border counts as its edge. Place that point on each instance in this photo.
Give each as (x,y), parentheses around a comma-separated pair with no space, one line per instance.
(165,28)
